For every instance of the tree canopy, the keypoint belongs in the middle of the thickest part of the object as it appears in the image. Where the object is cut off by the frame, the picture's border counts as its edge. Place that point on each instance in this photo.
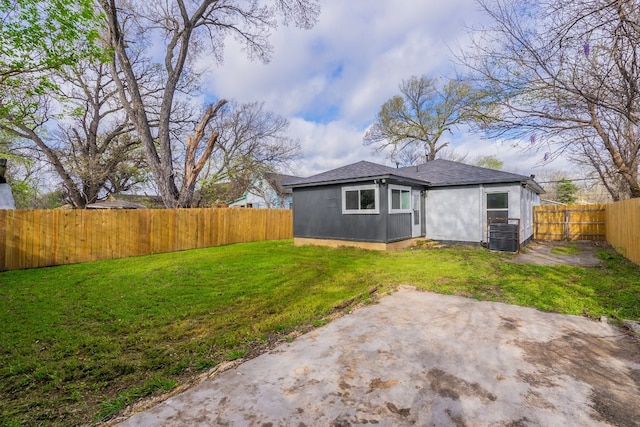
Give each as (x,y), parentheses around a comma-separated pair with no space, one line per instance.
(566,191)
(412,123)
(490,162)
(104,90)
(565,76)
(42,35)
(189,29)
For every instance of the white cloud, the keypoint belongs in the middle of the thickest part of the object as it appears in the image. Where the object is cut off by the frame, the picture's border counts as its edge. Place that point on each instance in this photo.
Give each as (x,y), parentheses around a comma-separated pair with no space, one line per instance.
(328,146)
(331,80)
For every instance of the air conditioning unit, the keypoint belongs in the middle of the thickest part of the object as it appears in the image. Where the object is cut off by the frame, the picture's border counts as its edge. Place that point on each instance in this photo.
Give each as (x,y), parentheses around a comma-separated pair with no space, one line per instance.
(504,235)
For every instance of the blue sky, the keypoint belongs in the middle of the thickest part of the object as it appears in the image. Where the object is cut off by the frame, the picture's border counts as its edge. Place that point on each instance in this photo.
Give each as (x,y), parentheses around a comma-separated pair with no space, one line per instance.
(330,81)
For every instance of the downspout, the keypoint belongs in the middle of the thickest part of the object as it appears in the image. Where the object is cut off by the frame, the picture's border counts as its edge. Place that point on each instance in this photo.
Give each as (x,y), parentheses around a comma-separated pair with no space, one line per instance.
(483,232)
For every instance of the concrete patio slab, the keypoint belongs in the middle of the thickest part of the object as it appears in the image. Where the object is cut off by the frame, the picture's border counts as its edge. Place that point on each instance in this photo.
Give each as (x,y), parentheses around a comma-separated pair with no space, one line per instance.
(418,358)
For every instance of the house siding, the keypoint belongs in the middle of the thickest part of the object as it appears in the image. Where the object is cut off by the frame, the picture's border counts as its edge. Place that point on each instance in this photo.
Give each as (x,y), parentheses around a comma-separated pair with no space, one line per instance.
(515,207)
(528,200)
(459,214)
(318,214)
(399,227)
(453,202)
(453,214)
(267,197)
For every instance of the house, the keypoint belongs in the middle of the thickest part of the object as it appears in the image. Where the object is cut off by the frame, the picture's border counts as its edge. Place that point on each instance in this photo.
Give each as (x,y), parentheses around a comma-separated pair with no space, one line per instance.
(379,207)
(115,204)
(6,196)
(267,191)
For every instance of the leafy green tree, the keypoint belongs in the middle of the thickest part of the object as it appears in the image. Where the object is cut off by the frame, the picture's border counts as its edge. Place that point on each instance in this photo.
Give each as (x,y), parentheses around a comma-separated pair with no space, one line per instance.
(25,193)
(566,191)
(417,118)
(491,162)
(38,36)
(89,142)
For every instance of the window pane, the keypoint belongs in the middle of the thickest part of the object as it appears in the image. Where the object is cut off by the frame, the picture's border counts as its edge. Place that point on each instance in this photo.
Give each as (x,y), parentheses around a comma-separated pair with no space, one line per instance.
(395,199)
(406,200)
(498,214)
(367,199)
(498,201)
(352,200)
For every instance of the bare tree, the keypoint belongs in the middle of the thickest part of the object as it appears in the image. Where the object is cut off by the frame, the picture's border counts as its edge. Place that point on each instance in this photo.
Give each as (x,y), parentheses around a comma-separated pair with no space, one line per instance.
(92,150)
(251,142)
(453,155)
(565,75)
(187,27)
(416,120)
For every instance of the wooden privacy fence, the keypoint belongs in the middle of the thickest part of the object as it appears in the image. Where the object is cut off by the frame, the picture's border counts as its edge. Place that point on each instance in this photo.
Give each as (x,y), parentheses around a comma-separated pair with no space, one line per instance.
(623,228)
(570,222)
(39,238)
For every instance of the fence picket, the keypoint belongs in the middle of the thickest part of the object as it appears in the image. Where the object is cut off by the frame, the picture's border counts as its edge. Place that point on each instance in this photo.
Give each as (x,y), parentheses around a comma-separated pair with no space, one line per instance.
(39,238)
(572,222)
(623,228)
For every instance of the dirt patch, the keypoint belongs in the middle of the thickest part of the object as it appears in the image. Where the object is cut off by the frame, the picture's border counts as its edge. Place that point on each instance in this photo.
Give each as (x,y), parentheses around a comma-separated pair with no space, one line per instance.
(551,253)
(588,359)
(376,383)
(447,385)
(403,412)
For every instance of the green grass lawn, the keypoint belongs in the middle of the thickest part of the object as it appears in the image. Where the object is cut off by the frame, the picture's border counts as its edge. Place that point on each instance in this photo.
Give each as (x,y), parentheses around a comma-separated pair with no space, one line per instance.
(566,249)
(80,342)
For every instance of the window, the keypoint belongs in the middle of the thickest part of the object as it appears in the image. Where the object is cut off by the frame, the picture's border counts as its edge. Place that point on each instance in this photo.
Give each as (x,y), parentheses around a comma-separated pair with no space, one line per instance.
(400,198)
(498,205)
(362,199)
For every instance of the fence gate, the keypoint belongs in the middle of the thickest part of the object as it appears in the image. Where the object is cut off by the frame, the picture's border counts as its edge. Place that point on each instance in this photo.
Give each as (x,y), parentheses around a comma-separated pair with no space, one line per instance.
(570,222)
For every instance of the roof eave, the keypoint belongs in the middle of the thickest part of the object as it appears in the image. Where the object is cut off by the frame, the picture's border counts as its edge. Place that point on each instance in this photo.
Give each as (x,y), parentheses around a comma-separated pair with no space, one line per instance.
(476,182)
(526,181)
(358,180)
(534,186)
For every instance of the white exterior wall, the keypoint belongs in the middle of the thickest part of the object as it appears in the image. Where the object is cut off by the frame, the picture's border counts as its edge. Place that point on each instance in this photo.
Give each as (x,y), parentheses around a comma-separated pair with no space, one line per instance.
(460,213)
(454,214)
(266,198)
(527,202)
(6,197)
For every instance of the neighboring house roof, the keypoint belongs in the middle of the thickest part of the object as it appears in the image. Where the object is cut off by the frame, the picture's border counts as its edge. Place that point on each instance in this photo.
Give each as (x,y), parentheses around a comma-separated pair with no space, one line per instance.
(115,204)
(436,173)
(278,180)
(142,199)
(361,171)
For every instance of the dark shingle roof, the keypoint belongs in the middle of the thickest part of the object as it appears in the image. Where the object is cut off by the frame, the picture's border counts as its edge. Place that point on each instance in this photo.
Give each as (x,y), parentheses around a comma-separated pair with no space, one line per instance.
(441,172)
(360,171)
(436,173)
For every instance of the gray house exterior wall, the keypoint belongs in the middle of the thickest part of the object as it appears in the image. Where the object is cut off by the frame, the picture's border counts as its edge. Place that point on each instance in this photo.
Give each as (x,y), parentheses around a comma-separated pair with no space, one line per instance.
(453,204)
(317,214)
(459,214)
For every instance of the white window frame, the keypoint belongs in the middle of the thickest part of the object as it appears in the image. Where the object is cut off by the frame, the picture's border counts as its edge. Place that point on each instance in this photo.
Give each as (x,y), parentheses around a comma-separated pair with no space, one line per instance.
(401,188)
(496,209)
(359,211)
